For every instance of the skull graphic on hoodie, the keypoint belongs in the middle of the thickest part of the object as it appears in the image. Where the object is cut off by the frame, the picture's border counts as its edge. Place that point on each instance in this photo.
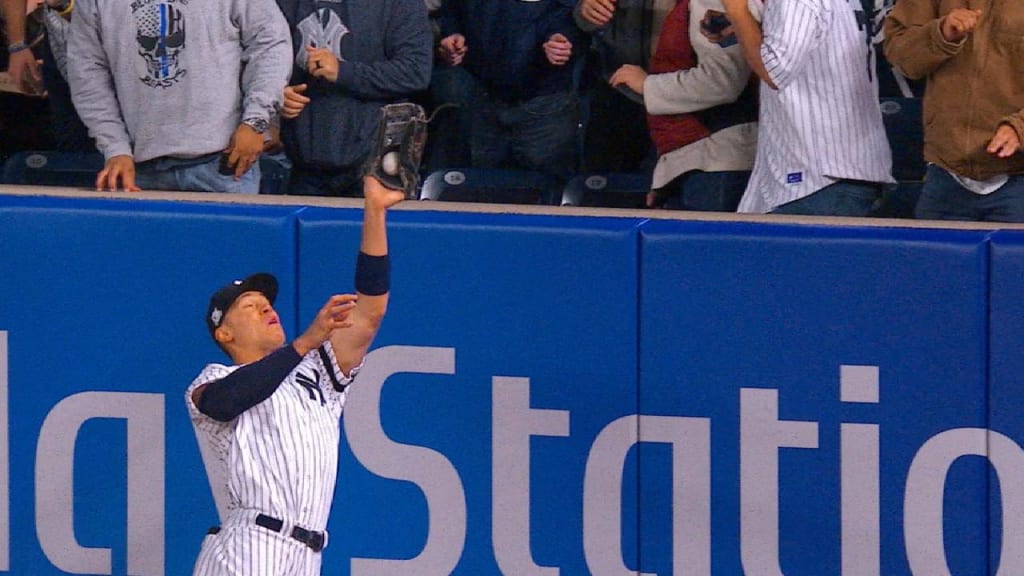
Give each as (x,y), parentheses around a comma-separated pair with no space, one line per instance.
(161,38)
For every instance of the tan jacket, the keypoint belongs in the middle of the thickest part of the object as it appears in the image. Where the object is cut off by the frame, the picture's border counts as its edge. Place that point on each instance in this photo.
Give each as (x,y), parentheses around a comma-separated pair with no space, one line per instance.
(972,87)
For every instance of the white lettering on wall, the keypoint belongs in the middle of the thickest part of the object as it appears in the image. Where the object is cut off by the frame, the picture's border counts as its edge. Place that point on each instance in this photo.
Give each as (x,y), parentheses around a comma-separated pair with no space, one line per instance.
(514,423)
(926,483)
(859,486)
(762,434)
(55,456)
(430,470)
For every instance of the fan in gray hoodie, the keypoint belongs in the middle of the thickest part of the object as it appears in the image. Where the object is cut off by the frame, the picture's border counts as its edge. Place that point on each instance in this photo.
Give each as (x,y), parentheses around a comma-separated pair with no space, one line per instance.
(166,86)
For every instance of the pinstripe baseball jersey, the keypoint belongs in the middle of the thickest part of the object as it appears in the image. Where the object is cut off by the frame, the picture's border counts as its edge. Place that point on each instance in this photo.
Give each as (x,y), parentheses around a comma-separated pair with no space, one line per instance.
(823,123)
(280,457)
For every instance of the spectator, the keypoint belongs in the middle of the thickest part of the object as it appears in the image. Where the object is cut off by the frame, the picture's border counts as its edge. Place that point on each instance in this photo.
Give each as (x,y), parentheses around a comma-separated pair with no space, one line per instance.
(351,58)
(65,129)
(167,87)
(448,143)
(973,105)
(701,101)
(520,57)
(20,116)
(625,32)
(21,61)
(822,147)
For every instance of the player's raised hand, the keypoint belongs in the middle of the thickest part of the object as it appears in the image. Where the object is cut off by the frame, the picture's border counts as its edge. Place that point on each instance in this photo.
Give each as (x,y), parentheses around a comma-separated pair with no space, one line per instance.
(959,23)
(379,196)
(332,316)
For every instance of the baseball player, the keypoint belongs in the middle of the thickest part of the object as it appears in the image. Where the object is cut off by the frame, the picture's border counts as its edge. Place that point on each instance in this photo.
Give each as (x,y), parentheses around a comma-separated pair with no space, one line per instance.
(268,424)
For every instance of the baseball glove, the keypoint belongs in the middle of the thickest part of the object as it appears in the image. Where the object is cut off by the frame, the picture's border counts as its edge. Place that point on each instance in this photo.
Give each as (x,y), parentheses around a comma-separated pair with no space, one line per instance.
(398,149)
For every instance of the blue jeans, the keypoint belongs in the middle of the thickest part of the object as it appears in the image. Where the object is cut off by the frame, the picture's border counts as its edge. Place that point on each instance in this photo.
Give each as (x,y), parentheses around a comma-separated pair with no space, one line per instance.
(707,191)
(841,198)
(199,175)
(943,198)
(538,134)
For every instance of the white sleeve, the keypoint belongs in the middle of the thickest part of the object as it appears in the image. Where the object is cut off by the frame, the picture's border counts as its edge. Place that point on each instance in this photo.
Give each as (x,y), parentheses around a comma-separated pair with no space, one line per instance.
(792,30)
(337,379)
(719,77)
(210,373)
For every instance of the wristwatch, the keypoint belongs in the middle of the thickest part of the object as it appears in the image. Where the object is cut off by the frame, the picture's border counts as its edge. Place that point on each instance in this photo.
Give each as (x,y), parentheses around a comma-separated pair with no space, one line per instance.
(258,125)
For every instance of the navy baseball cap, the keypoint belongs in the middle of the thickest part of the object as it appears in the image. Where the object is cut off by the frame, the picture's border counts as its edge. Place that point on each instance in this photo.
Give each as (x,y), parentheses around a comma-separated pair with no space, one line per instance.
(223,298)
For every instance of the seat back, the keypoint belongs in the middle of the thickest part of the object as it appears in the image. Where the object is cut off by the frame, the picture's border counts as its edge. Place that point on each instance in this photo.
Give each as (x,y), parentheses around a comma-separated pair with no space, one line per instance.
(904,127)
(498,186)
(50,168)
(611,190)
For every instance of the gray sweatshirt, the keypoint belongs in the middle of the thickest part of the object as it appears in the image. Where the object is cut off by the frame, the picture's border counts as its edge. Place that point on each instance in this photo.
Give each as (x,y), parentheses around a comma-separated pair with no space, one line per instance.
(156,78)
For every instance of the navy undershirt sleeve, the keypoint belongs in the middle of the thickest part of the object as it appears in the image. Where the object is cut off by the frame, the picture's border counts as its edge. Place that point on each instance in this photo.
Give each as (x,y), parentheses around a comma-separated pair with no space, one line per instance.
(225,399)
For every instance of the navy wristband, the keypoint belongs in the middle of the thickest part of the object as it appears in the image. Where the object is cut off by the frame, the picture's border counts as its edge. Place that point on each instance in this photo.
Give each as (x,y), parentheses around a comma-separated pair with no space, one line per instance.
(17,47)
(373,274)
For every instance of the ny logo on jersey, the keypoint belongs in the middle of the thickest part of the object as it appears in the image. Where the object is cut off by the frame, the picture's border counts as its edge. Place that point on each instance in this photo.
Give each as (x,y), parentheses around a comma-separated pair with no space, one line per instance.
(312,386)
(870,15)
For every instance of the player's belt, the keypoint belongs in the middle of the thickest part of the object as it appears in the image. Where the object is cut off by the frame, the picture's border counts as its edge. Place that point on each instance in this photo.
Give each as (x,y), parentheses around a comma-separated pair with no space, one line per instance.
(315,540)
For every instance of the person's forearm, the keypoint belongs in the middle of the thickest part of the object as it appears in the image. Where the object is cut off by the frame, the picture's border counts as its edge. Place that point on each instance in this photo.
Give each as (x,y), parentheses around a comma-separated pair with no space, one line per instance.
(373,270)
(748,33)
(375,239)
(14,20)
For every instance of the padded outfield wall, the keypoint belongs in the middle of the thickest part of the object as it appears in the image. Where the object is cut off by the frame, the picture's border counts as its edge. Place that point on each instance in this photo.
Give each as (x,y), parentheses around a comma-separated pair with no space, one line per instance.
(551,393)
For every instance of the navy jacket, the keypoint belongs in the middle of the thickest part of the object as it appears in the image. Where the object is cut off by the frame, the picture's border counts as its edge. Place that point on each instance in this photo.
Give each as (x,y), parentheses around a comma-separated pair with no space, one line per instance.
(386,56)
(504,41)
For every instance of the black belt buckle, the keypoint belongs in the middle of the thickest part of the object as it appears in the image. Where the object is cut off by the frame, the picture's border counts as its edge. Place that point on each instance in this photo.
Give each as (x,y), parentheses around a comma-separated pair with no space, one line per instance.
(315,540)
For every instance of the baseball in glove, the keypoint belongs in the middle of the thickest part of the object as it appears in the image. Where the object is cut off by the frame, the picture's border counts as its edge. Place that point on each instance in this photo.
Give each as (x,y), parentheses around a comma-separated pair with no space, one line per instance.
(401,136)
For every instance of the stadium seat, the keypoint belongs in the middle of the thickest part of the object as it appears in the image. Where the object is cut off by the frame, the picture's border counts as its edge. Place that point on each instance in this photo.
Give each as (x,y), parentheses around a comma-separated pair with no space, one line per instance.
(49,168)
(497,186)
(612,190)
(79,170)
(903,125)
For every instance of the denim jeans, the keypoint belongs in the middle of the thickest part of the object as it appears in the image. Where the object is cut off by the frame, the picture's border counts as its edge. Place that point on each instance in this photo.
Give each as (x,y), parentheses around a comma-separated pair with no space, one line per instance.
(198,176)
(943,198)
(707,191)
(841,198)
(538,134)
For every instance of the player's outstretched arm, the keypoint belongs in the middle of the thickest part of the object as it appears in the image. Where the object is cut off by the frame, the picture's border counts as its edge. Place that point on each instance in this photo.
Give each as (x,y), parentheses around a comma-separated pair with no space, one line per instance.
(373,277)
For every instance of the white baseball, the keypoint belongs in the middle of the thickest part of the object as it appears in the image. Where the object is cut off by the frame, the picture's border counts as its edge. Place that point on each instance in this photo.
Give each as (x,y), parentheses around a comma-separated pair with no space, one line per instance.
(390,163)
